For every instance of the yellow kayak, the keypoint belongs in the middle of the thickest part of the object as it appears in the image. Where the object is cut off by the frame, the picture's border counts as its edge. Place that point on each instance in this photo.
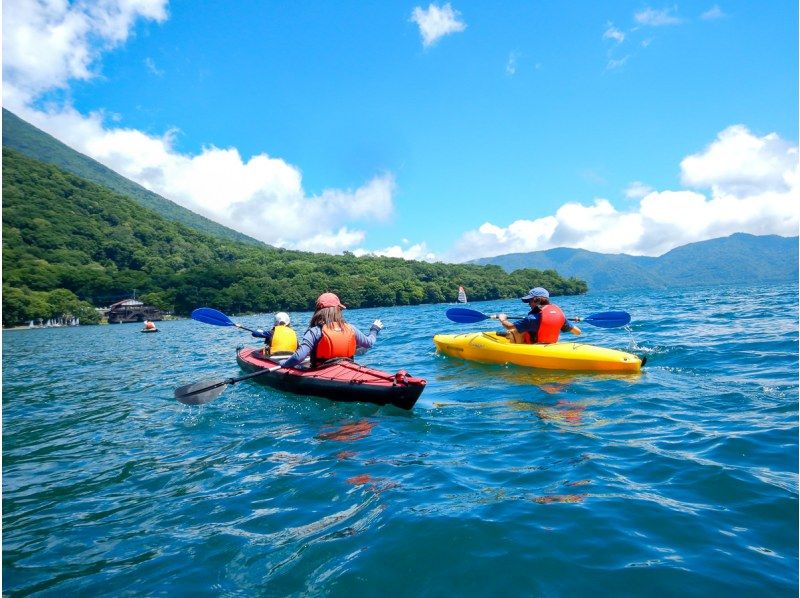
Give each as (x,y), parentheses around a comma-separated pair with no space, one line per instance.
(490,347)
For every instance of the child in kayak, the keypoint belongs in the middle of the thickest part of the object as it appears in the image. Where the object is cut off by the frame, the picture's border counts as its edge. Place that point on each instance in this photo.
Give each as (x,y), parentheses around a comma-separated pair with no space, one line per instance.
(281,341)
(329,336)
(544,322)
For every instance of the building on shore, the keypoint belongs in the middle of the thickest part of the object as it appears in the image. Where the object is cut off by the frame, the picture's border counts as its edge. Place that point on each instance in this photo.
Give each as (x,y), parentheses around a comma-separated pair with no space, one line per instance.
(133,310)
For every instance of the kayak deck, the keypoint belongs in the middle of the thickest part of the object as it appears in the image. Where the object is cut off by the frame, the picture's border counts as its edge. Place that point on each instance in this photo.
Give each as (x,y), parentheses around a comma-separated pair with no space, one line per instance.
(338,380)
(490,347)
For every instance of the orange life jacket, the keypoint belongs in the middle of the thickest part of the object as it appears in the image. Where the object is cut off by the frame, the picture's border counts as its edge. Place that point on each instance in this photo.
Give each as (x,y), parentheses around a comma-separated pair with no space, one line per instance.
(336,341)
(550,324)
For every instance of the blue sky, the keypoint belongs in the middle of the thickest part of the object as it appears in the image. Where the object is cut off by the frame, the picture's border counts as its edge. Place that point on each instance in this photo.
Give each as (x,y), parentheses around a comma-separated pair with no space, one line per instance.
(616,127)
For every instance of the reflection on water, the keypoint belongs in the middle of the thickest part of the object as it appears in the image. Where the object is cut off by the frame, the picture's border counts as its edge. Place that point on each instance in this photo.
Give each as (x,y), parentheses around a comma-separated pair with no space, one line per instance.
(475,374)
(348,432)
(563,411)
(554,498)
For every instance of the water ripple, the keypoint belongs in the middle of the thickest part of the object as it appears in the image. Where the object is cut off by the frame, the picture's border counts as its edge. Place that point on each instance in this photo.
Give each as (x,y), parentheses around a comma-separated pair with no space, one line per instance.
(501,479)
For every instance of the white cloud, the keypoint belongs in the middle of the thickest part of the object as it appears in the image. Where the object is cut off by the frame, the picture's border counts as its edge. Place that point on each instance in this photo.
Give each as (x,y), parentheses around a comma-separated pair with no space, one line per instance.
(414,252)
(151,66)
(615,63)
(657,18)
(715,12)
(740,163)
(752,185)
(511,64)
(612,32)
(46,45)
(436,22)
(637,190)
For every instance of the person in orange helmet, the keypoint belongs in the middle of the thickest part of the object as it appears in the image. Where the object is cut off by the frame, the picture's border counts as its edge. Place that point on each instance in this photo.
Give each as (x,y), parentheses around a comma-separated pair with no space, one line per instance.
(329,336)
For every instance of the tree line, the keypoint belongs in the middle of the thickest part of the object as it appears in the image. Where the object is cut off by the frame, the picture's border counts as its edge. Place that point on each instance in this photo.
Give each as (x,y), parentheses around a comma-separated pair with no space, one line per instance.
(70,245)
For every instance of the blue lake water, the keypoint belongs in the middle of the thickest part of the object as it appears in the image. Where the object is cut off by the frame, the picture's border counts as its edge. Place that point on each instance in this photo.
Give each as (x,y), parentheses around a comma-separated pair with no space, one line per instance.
(680,481)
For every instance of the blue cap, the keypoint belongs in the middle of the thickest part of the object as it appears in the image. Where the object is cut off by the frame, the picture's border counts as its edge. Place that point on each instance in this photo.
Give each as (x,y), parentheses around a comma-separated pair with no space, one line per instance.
(536,292)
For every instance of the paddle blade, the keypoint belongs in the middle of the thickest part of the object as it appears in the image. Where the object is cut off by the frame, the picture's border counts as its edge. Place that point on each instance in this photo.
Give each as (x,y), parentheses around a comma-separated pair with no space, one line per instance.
(463,315)
(609,319)
(211,316)
(200,393)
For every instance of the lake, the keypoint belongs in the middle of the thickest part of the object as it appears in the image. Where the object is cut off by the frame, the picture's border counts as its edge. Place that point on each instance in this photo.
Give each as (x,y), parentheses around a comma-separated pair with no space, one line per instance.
(682,480)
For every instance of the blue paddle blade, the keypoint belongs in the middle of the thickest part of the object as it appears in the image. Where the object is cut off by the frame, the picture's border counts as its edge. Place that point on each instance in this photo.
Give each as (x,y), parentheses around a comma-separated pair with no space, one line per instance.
(462,315)
(211,316)
(609,319)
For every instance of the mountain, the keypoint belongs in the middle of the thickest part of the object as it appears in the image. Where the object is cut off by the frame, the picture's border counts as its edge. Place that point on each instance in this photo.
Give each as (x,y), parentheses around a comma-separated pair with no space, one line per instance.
(35,143)
(739,258)
(70,244)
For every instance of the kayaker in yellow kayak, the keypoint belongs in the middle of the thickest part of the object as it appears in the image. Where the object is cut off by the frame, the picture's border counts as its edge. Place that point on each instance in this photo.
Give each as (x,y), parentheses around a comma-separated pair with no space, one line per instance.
(544,322)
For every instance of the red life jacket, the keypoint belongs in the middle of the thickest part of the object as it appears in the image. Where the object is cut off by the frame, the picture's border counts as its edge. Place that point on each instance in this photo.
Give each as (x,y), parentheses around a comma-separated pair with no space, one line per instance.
(336,341)
(550,324)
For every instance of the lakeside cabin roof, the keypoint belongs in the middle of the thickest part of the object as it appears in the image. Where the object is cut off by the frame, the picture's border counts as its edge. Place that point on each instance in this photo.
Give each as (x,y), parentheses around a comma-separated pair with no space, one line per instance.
(127,303)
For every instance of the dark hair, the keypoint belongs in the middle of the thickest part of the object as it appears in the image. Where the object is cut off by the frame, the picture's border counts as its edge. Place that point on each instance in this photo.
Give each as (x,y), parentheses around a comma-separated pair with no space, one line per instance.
(541,301)
(327,315)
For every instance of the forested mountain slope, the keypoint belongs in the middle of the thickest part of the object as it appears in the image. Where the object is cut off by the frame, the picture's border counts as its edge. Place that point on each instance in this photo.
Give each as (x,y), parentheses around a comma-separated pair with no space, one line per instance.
(70,242)
(35,143)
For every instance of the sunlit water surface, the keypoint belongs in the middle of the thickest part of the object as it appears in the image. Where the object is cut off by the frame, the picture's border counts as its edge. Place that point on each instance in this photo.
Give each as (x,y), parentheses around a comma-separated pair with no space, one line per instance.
(682,480)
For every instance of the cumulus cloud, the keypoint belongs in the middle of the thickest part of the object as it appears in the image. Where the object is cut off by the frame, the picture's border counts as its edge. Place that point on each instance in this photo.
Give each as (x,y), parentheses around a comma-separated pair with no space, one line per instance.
(657,18)
(739,183)
(262,196)
(418,251)
(49,44)
(637,190)
(739,163)
(436,22)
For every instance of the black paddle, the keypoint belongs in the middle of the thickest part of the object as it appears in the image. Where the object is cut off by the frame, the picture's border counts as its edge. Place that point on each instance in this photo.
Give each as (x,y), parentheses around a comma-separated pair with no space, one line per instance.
(201,393)
(606,319)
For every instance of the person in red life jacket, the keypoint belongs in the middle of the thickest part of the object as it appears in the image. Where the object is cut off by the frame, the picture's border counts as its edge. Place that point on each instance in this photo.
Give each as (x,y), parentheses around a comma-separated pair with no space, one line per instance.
(329,336)
(148,325)
(543,323)
(281,341)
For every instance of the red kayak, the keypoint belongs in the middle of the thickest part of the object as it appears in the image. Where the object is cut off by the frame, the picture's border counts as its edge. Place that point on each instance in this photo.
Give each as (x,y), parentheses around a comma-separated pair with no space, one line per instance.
(339,380)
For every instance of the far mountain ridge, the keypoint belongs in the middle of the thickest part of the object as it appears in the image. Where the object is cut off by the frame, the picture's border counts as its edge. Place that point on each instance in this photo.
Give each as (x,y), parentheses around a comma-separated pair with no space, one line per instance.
(739,258)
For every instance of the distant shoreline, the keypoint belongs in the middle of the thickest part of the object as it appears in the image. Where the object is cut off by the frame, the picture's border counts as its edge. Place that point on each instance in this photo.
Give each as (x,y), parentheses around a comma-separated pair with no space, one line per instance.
(168,319)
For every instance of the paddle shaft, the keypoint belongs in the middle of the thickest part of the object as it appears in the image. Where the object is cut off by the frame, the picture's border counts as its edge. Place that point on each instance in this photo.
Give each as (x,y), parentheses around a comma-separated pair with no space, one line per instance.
(226,382)
(496,317)
(244,328)
(608,319)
